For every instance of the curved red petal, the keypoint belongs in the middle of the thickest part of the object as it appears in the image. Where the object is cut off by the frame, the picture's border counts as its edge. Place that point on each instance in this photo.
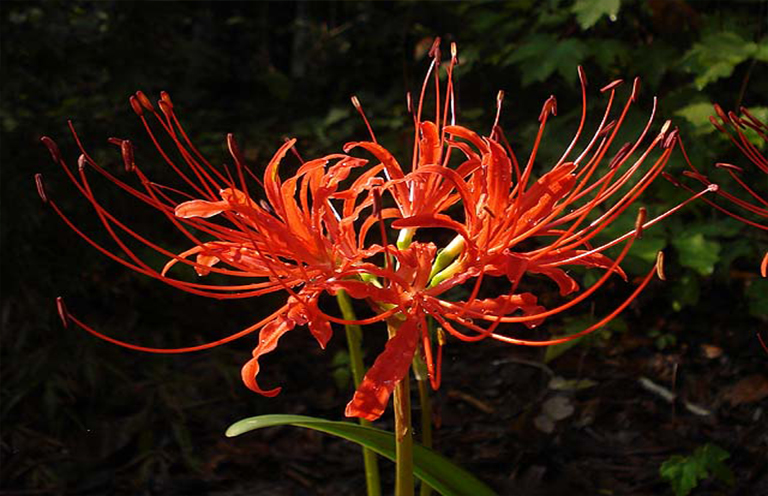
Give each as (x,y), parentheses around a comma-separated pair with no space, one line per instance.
(388,370)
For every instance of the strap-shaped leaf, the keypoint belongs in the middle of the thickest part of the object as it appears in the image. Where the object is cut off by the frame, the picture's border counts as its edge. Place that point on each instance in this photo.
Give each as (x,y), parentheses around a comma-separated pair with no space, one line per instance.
(432,468)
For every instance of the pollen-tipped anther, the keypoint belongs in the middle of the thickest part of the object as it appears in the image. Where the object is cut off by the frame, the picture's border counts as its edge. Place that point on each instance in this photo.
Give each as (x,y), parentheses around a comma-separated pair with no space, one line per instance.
(713,188)
(81,162)
(144,101)
(611,85)
(764,266)
(126,149)
(41,187)
(356,102)
(454,50)
(53,148)
(63,314)
(642,214)
(660,266)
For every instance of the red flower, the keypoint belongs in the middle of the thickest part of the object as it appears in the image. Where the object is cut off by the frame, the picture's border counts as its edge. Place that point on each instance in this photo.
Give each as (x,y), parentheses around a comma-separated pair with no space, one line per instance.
(310,235)
(751,202)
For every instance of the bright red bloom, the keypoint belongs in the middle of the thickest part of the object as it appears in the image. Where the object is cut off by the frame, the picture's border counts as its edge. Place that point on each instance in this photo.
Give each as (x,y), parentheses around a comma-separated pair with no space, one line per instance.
(751,202)
(311,234)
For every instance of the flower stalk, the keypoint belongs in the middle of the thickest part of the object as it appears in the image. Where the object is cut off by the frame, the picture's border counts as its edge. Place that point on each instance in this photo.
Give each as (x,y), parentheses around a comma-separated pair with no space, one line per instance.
(354,336)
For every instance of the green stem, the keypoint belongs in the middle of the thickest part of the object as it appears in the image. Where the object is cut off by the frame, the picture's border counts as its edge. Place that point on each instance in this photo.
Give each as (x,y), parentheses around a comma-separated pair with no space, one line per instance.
(426,425)
(403,431)
(354,340)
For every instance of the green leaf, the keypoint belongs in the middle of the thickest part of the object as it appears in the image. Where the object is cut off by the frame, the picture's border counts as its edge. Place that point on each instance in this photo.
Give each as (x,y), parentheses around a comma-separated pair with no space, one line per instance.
(588,12)
(684,473)
(545,54)
(698,115)
(717,54)
(432,468)
(695,252)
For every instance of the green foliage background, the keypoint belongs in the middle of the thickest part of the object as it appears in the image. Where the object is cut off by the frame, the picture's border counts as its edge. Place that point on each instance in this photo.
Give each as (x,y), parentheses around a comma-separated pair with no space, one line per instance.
(268,70)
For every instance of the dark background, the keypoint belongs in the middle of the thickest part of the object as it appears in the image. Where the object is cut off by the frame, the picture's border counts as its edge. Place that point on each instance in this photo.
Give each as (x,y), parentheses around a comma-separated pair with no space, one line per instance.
(81,416)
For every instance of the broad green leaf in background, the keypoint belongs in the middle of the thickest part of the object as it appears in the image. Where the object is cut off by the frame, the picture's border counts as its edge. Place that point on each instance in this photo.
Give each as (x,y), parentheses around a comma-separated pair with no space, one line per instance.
(545,54)
(432,468)
(588,12)
(717,54)
(684,472)
(698,115)
(696,252)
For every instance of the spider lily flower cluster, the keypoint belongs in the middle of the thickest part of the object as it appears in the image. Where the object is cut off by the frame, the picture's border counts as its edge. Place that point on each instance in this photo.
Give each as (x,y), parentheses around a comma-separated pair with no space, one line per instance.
(324,229)
(751,202)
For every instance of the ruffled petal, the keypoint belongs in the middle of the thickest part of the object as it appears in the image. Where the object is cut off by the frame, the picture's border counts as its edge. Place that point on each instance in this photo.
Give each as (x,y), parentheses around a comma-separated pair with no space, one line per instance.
(388,370)
(268,337)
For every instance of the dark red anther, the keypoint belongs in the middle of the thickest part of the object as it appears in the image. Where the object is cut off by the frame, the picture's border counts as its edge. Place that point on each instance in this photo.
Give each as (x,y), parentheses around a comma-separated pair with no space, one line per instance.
(735,119)
(717,125)
(550,107)
(115,141)
(642,214)
(136,106)
(434,51)
(752,118)
(618,159)
(723,165)
(41,187)
(610,86)
(126,148)
(670,139)
(144,101)
(166,109)
(606,129)
(671,179)
(635,89)
(164,96)
(81,162)
(719,111)
(53,148)
(695,175)
(63,314)
(582,75)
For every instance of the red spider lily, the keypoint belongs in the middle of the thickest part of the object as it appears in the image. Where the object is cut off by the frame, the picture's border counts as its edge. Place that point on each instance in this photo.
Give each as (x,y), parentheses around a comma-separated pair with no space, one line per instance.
(733,127)
(310,235)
